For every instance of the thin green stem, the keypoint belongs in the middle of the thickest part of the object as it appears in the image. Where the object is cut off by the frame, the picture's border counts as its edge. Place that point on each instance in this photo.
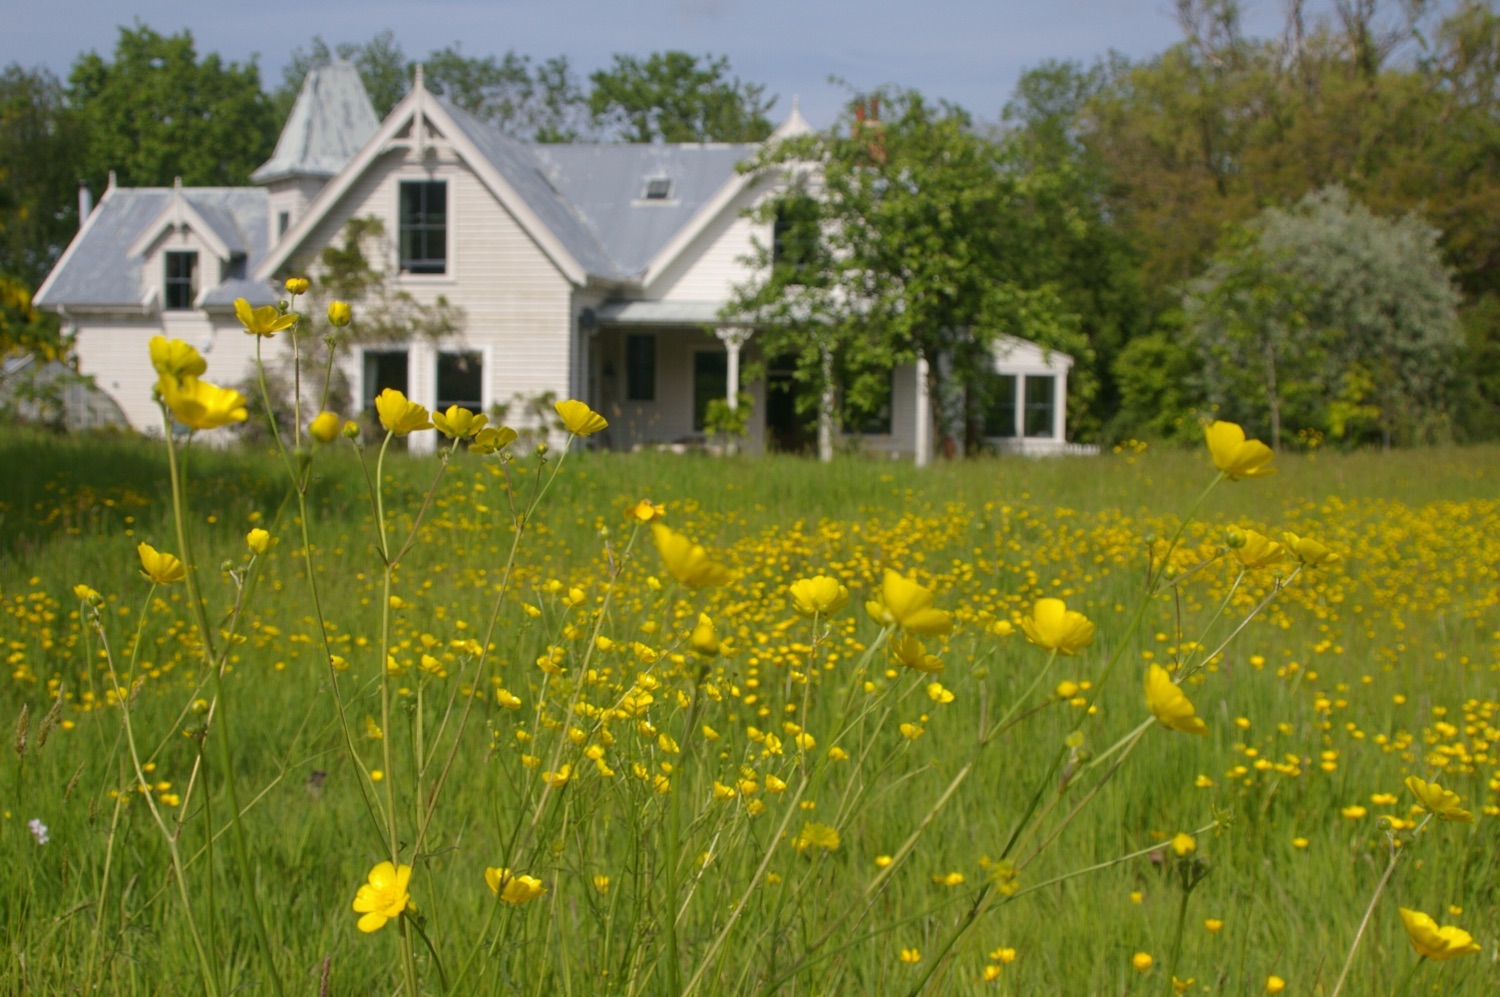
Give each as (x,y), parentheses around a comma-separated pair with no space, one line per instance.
(244,869)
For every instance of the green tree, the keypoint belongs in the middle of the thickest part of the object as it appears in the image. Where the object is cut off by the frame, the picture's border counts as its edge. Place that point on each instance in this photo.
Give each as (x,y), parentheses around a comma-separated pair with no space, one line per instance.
(1074,244)
(677,97)
(1332,317)
(157,112)
(901,238)
(41,150)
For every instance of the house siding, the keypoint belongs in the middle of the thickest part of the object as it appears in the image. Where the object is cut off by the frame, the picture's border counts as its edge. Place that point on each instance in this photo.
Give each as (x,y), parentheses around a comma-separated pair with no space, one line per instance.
(716,259)
(518,307)
(117,354)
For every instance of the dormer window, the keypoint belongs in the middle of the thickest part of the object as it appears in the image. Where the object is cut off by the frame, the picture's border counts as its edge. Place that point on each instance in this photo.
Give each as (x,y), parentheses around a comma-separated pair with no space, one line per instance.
(181,288)
(658,188)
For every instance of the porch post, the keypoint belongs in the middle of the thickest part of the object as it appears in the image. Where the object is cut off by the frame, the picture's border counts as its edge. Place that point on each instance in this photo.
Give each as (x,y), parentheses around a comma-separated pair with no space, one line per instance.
(733,339)
(421,380)
(1060,405)
(825,411)
(924,416)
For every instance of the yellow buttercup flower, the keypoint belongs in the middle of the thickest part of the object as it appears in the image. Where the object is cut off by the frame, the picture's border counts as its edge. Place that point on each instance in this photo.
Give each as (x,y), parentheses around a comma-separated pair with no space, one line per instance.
(1141,961)
(339,313)
(1310,552)
(818,596)
(324,428)
(705,639)
(174,358)
(1275,984)
(159,566)
(905,604)
(267,320)
(1184,844)
(645,511)
(1259,551)
(296,285)
(579,419)
(816,836)
(910,652)
(201,405)
(1052,626)
(492,439)
(399,415)
(383,897)
(458,423)
(512,889)
(686,561)
(1436,943)
(1236,456)
(257,540)
(1170,704)
(1441,803)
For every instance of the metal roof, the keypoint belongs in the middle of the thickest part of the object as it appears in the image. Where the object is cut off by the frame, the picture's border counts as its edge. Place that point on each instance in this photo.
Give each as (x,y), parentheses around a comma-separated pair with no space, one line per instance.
(330,122)
(98,271)
(606,185)
(593,197)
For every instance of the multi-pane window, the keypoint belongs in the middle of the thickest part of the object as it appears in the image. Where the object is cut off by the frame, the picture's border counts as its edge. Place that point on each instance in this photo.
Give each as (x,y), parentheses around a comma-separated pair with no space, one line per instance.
(1000,415)
(710,381)
(640,368)
(460,381)
(181,281)
(1041,404)
(424,227)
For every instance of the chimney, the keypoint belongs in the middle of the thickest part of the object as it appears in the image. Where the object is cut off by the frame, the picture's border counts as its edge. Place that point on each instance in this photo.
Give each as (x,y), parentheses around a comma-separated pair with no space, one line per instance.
(85,202)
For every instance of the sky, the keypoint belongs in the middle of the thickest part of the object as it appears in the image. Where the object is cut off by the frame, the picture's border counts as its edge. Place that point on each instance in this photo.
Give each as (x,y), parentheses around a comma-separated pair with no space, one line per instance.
(970,52)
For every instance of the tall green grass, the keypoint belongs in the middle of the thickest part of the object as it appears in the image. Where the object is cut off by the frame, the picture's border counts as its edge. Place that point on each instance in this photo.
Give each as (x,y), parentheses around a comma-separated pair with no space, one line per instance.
(1290,878)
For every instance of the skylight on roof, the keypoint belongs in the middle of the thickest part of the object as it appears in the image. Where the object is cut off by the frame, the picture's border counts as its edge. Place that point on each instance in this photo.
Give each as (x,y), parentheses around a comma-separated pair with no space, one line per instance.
(658,188)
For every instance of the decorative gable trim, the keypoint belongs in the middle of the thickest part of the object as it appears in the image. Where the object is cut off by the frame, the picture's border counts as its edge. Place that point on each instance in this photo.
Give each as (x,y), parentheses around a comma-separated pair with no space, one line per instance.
(179,214)
(429,124)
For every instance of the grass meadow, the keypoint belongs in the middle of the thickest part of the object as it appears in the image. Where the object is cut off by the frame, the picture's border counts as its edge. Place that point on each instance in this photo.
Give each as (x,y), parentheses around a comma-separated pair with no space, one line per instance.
(778,804)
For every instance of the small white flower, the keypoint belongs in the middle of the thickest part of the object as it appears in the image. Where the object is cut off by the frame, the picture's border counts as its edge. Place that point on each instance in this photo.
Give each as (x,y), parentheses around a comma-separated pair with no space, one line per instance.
(38,830)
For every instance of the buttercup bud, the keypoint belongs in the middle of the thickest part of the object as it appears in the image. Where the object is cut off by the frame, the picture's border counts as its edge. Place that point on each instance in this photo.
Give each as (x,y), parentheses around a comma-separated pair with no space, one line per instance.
(339,313)
(324,428)
(296,285)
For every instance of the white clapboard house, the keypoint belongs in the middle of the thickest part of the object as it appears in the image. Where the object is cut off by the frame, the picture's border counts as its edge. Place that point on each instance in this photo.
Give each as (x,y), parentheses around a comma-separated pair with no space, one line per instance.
(590,271)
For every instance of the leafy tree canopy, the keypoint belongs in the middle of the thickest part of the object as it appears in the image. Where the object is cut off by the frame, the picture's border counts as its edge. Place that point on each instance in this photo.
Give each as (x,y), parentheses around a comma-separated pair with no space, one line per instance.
(901,236)
(1331,318)
(41,148)
(157,112)
(677,97)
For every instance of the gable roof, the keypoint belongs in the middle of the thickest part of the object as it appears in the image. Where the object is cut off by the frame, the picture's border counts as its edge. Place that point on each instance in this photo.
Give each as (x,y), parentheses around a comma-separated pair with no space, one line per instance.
(330,122)
(584,205)
(99,269)
(516,164)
